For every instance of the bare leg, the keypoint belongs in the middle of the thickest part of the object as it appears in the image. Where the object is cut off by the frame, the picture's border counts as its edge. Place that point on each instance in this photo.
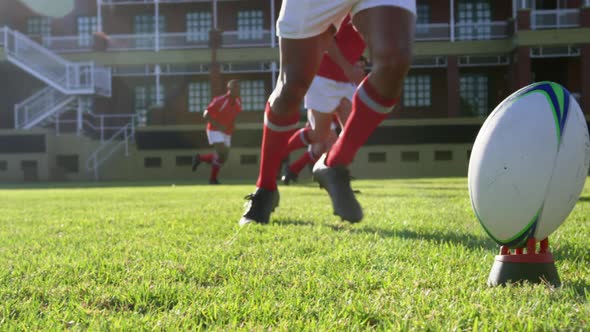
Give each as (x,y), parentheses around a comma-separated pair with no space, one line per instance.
(300,60)
(388,32)
(390,48)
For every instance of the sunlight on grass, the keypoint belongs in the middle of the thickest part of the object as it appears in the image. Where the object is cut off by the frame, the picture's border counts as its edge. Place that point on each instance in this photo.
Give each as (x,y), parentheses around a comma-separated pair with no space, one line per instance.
(173,258)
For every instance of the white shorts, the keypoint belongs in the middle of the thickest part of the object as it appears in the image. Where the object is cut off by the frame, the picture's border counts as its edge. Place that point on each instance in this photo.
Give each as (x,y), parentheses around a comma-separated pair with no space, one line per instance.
(215,136)
(300,19)
(324,94)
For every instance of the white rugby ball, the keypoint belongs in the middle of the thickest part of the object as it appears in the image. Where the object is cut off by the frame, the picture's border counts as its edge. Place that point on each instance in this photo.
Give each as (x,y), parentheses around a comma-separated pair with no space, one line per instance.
(528,164)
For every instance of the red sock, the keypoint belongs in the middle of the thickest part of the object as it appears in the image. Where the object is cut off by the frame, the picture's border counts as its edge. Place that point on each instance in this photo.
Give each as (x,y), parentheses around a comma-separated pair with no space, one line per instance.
(299,139)
(275,135)
(208,158)
(215,167)
(300,163)
(369,109)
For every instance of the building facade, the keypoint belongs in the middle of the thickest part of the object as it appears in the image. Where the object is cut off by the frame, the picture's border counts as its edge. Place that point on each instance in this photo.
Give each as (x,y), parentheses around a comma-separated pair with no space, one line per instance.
(155,64)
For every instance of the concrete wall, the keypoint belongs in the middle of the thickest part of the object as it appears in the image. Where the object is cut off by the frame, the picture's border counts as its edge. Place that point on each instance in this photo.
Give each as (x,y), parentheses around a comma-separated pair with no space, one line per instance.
(133,167)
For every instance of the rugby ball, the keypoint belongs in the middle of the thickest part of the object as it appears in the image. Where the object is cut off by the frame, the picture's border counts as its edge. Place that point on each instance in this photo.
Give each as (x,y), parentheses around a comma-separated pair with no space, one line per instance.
(528,164)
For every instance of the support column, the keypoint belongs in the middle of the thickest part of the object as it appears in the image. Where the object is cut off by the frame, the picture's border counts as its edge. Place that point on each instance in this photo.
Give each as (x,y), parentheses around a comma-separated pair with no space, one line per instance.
(452,20)
(157,25)
(99,15)
(521,68)
(215,15)
(585,67)
(273,38)
(214,44)
(215,69)
(585,15)
(453,97)
(79,111)
(523,19)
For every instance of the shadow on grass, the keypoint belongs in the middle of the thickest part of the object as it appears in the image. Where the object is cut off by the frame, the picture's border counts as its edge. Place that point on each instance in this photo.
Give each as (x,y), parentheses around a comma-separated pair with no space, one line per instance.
(580,288)
(294,222)
(563,251)
(467,240)
(584,199)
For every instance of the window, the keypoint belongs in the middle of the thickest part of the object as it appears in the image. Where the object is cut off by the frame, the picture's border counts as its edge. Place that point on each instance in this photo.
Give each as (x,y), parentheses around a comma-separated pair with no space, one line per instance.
(199,95)
(87,25)
(140,98)
(423,18)
(198,25)
(69,163)
(39,26)
(157,98)
(473,90)
(474,19)
(3,165)
(377,157)
(417,91)
(152,162)
(145,98)
(250,24)
(87,104)
(145,25)
(410,156)
(253,95)
(443,155)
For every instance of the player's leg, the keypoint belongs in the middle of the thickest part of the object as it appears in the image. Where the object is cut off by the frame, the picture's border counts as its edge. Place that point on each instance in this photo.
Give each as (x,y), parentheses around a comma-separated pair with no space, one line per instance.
(323,97)
(213,137)
(221,154)
(291,173)
(388,32)
(305,28)
(300,60)
(343,111)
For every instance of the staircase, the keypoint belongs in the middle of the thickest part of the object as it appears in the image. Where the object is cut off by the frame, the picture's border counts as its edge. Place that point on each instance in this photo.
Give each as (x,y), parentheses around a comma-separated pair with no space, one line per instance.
(67,84)
(65,79)
(120,139)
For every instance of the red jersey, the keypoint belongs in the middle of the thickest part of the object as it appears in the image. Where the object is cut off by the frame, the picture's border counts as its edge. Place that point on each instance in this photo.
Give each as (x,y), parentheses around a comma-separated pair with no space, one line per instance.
(224,109)
(352,46)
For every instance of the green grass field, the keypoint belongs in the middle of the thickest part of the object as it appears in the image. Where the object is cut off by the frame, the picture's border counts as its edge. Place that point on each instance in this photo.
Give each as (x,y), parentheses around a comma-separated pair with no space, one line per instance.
(164,257)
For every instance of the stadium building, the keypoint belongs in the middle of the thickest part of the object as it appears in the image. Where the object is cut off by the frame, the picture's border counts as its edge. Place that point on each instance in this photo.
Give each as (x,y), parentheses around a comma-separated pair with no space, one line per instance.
(114,89)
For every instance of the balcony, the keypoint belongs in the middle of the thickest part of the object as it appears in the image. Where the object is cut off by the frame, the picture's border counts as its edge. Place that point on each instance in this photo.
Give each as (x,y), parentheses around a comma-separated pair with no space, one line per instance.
(555,19)
(433,32)
(255,38)
(464,31)
(146,2)
(166,41)
(484,30)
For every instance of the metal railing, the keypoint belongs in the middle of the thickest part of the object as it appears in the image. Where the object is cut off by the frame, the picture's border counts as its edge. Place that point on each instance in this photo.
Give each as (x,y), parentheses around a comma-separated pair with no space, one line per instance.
(483,30)
(98,126)
(66,76)
(69,77)
(39,107)
(103,81)
(256,67)
(146,2)
(120,138)
(246,38)
(555,51)
(433,32)
(555,18)
(69,44)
